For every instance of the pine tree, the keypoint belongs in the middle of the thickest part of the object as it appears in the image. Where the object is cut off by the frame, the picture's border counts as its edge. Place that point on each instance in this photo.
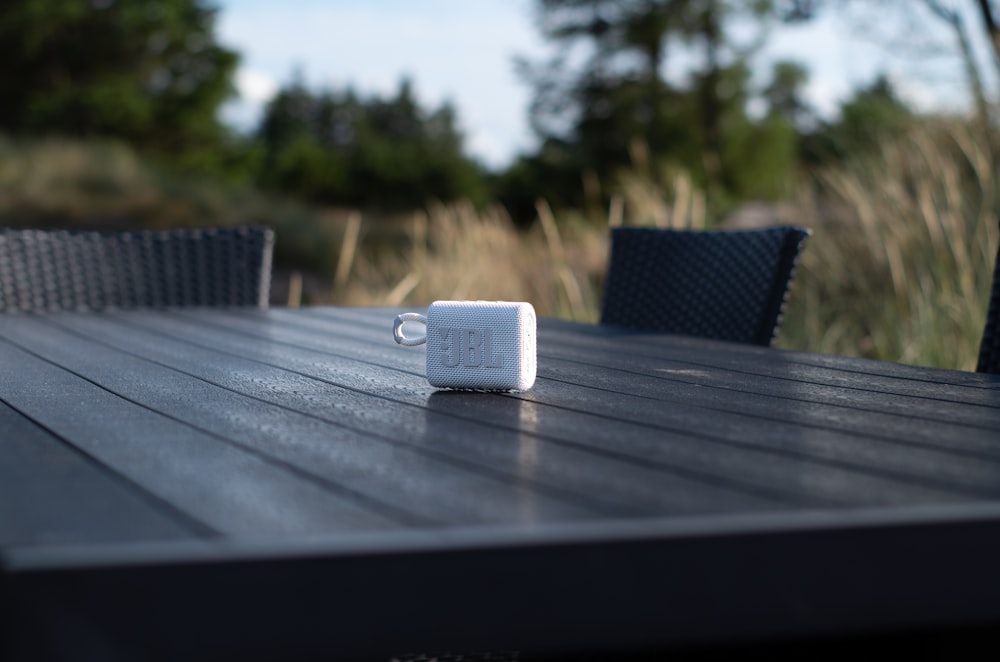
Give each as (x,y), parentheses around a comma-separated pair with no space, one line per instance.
(149,72)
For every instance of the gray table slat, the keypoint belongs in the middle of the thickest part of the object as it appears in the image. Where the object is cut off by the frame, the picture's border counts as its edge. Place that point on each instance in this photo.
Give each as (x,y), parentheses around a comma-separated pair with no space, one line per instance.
(740,368)
(225,488)
(811,466)
(258,485)
(899,375)
(417,486)
(793,381)
(676,359)
(50,494)
(945,455)
(374,402)
(825,408)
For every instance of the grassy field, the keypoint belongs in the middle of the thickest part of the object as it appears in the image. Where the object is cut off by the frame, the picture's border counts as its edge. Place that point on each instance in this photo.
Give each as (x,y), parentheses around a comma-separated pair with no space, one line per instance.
(901,262)
(898,267)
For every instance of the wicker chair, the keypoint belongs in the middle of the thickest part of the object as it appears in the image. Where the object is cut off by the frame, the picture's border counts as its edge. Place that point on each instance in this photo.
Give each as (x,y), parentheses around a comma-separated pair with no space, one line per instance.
(989,349)
(72,270)
(725,285)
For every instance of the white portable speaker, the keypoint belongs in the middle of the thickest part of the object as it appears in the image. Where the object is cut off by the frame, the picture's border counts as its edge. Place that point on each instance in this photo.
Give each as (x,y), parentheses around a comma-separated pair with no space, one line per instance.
(484,345)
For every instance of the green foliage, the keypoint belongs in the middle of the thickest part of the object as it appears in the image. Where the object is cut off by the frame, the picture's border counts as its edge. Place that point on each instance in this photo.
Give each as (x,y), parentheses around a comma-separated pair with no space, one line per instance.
(336,148)
(145,71)
(871,114)
(759,158)
(552,174)
(785,94)
(899,267)
(620,95)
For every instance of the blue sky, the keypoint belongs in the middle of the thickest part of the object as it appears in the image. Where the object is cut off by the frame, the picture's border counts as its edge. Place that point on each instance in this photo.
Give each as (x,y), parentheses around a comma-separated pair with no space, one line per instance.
(462,51)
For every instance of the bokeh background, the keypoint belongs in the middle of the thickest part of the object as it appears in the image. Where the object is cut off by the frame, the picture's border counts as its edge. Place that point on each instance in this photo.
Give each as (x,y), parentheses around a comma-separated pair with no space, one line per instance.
(406,152)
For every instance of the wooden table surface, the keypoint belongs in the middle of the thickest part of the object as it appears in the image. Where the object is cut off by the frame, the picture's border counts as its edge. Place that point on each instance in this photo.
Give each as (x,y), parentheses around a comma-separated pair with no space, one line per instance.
(286,484)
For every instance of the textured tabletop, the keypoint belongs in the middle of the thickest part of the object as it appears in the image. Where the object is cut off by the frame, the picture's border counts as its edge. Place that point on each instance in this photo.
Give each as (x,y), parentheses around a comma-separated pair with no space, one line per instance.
(649,489)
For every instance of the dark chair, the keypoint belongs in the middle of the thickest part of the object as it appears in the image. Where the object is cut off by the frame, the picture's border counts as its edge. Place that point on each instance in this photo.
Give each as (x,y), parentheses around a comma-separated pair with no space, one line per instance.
(989,349)
(76,270)
(725,285)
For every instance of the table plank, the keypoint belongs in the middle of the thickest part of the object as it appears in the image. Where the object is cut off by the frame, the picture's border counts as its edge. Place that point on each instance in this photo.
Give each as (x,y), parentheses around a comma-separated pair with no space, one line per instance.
(51,494)
(374,403)
(960,461)
(618,438)
(650,491)
(417,484)
(606,590)
(738,368)
(892,377)
(747,369)
(219,485)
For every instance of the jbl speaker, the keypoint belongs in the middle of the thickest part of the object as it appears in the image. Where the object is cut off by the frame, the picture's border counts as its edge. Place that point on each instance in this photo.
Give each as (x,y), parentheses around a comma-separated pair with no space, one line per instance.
(487,345)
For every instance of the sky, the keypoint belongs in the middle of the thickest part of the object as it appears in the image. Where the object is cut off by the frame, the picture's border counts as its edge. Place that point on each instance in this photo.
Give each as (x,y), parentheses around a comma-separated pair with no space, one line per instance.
(462,52)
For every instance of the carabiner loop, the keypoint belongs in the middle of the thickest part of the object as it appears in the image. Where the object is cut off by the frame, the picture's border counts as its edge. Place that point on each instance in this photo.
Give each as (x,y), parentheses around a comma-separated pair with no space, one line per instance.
(397,329)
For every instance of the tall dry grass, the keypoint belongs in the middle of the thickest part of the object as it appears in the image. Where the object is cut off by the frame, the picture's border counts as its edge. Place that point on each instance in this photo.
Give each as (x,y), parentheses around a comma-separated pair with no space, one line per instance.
(456,252)
(898,268)
(900,264)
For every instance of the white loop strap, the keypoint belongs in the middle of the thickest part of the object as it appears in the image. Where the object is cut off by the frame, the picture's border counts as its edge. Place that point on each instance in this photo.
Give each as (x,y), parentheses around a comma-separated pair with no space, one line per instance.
(397,329)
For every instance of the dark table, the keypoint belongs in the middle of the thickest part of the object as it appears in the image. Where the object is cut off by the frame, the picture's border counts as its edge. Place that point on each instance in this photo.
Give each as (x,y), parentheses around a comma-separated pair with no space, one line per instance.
(231,484)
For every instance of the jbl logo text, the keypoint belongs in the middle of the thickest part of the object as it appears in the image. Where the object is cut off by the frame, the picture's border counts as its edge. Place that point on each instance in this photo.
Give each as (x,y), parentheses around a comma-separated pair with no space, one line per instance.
(472,348)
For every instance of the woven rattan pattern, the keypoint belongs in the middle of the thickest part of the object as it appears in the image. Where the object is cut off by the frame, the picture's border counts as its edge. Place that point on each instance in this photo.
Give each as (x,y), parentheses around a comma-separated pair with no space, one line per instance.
(726,285)
(989,348)
(72,270)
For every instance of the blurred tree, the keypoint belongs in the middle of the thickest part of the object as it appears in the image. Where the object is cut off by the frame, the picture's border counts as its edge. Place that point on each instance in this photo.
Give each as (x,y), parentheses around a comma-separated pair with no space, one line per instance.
(872,113)
(551,173)
(607,88)
(336,148)
(758,155)
(147,71)
(952,14)
(305,141)
(953,19)
(785,95)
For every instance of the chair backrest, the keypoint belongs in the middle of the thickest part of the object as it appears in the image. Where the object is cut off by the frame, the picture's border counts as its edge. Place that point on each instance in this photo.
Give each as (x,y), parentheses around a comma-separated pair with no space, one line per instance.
(77,270)
(726,285)
(989,348)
